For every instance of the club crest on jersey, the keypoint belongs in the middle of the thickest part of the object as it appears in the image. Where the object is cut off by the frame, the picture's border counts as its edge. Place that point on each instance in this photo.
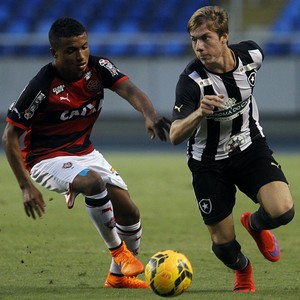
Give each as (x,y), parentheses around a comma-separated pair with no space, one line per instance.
(93,85)
(205,206)
(234,142)
(251,78)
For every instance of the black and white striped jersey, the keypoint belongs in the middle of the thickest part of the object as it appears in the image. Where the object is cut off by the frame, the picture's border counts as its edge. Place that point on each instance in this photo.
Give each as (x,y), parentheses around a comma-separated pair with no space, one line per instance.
(233,129)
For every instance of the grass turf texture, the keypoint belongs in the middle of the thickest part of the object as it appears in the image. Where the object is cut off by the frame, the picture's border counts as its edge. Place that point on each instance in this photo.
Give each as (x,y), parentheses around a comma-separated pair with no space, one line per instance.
(61,256)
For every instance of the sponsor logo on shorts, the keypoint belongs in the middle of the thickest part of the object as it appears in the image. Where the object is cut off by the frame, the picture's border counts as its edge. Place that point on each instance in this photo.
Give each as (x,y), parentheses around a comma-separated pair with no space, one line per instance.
(275,165)
(67,165)
(205,206)
(178,107)
(114,171)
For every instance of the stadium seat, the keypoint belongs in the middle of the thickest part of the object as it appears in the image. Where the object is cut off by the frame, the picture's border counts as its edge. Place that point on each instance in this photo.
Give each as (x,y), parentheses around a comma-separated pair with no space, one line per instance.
(288,22)
(124,17)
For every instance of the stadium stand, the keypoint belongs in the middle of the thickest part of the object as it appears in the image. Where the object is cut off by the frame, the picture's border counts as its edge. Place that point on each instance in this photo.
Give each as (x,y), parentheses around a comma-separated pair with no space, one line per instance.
(24,25)
(123,27)
(286,28)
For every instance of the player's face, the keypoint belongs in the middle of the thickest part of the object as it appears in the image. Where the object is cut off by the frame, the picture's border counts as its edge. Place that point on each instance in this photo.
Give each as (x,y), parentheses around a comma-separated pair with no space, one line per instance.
(71,57)
(208,46)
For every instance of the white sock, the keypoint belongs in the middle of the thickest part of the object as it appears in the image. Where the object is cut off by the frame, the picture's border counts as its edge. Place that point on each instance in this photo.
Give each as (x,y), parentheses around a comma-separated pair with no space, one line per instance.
(131,235)
(104,221)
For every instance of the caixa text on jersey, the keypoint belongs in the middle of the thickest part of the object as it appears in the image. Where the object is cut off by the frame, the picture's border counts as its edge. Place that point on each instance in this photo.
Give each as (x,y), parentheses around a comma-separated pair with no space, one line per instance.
(87,110)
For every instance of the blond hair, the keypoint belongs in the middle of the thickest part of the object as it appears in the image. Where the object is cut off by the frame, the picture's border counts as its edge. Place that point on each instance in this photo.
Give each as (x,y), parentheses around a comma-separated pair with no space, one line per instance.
(215,18)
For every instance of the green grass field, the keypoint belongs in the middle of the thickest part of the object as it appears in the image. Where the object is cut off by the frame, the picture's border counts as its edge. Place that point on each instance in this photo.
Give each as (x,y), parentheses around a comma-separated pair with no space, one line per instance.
(62,257)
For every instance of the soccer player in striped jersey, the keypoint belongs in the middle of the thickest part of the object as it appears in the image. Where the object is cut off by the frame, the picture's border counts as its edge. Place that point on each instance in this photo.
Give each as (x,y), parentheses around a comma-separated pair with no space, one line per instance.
(216,111)
(56,111)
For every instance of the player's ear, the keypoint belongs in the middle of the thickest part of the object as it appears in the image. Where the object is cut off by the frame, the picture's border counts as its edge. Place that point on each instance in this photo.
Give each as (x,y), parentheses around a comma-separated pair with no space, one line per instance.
(224,38)
(53,52)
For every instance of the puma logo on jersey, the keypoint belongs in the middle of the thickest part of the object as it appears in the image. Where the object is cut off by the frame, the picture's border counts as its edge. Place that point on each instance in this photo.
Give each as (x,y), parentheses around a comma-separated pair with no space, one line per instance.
(65,98)
(276,165)
(178,107)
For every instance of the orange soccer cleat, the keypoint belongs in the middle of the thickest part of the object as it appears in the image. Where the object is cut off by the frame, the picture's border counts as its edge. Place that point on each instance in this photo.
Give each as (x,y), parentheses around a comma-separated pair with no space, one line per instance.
(130,265)
(124,282)
(265,240)
(243,280)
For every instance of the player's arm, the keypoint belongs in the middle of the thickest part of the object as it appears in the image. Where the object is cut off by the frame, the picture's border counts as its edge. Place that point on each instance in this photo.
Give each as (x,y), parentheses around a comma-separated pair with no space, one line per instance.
(181,129)
(155,124)
(32,198)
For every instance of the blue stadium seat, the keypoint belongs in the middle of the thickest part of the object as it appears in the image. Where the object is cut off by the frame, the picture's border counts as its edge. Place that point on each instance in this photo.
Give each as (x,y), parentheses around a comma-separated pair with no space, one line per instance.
(4,14)
(118,16)
(18,26)
(146,49)
(43,26)
(101,26)
(287,22)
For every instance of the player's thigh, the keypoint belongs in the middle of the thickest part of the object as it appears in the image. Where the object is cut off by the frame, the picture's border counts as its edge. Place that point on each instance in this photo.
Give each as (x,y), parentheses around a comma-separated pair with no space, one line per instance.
(275,197)
(215,193)
(56,174)
(263,180)
(125,210)
(96,162)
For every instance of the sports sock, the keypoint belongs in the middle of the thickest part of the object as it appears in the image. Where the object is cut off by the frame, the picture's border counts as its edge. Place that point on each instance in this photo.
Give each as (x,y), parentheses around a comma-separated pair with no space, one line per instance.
(261,220)
(100,210)
(131,235)
(230,254)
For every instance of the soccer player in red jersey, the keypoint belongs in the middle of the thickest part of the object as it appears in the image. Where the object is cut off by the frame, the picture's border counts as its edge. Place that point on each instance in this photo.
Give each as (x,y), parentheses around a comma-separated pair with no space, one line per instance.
(56,112)
(216,111)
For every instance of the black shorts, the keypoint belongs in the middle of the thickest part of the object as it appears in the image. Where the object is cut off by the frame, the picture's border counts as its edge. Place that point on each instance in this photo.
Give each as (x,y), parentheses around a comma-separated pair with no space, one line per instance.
(215,182)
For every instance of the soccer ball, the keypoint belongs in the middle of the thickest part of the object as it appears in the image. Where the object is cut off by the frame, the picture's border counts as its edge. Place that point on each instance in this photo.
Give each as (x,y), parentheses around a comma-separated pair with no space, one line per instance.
(168,273)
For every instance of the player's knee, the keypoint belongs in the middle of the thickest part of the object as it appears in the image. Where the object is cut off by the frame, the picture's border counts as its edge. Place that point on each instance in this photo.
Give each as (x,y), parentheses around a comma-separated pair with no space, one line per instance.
(88,182)
(230,254)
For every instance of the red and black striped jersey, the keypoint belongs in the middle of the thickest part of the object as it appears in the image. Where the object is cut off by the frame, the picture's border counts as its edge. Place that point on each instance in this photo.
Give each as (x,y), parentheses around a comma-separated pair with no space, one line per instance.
(58,116)
(232,129)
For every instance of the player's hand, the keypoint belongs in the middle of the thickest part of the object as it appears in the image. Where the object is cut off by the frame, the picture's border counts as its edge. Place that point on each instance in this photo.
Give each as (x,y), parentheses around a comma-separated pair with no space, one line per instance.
(209,103)
(159,127)
(33,202)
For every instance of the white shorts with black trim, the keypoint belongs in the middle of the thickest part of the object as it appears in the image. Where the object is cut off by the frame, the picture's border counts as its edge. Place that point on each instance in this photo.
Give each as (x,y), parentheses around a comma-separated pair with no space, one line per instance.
(57,174)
